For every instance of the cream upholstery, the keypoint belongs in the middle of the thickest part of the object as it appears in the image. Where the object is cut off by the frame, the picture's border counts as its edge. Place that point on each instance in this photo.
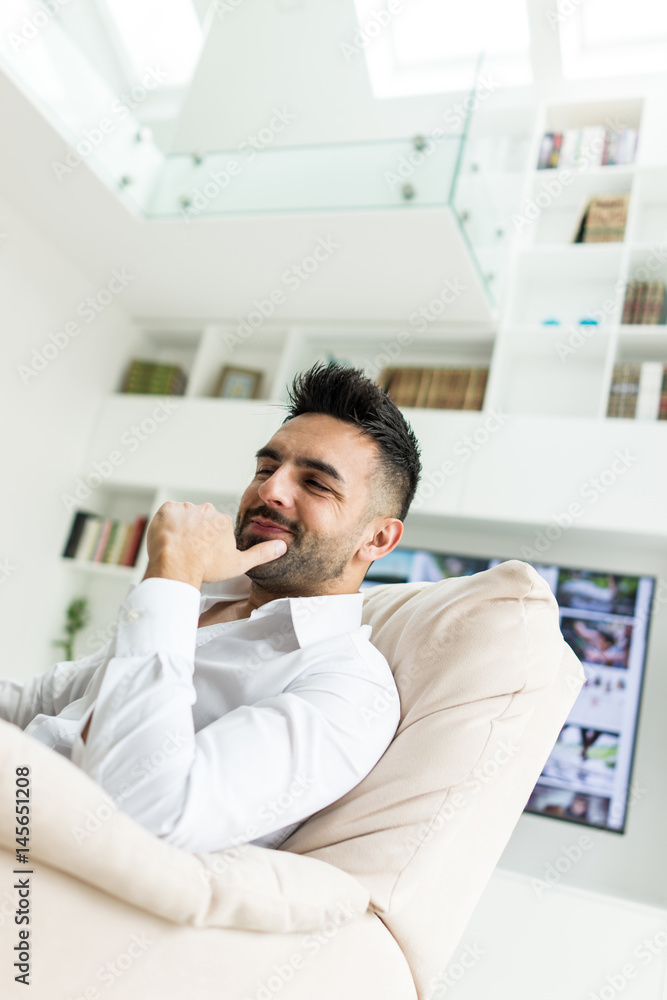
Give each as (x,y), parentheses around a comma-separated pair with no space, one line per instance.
(486,682)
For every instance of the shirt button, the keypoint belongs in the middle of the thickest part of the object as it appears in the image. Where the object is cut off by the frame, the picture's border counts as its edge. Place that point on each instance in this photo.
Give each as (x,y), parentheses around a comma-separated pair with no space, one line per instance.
(132,616)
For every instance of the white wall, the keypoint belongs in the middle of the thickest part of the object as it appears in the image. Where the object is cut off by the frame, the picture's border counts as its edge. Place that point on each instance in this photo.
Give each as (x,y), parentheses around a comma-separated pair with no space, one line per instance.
(46,422)
(526,941)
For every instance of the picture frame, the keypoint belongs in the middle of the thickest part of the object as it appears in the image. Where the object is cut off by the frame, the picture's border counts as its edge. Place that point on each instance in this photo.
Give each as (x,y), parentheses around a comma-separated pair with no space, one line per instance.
(238,383)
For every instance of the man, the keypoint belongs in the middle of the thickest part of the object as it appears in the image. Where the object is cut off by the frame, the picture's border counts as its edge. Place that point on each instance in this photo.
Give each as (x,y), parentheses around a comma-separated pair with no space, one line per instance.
(241,693)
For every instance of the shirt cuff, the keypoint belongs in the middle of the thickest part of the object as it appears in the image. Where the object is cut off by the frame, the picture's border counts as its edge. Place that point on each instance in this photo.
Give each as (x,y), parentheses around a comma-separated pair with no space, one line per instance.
(159,615)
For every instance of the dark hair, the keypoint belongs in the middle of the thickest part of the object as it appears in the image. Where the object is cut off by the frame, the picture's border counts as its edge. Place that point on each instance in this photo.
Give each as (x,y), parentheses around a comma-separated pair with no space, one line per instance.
(347,394)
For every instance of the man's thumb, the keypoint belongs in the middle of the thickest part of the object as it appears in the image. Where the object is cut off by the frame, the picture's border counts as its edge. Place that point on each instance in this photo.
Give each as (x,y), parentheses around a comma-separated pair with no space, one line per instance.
(265,552)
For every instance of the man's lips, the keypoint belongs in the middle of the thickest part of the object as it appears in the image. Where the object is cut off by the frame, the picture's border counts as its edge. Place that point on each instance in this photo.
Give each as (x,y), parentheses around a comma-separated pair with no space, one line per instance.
(267,527)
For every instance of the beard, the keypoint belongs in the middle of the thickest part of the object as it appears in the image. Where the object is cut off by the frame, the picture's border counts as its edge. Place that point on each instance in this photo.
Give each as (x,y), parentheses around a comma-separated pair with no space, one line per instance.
(310,560)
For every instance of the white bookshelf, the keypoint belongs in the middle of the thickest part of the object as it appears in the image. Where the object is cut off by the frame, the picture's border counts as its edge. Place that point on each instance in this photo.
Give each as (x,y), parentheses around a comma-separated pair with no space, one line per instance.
(553,434)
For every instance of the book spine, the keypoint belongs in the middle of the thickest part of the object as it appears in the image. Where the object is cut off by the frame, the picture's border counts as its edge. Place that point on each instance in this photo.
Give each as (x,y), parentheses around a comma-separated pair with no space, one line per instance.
(111,540)
(640,302)
(648,395)
(130,556)
(629,302)
(89,538)
(424,387)
(76,531)
(545,151)
(103,539)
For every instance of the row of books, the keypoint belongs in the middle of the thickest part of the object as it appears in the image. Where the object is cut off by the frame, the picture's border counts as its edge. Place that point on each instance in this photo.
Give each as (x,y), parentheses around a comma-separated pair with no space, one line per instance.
(104,540)
(440,388)
(639,391)
(645,302)
(154,378)
(595,146)
(603,219)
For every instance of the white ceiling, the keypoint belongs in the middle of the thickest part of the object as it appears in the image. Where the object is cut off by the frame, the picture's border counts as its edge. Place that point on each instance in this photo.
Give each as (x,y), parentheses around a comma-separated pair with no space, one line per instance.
(388,264)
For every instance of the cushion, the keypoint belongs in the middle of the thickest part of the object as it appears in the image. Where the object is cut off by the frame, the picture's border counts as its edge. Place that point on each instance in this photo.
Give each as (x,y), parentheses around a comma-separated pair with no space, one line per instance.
(77,828)
(486,681)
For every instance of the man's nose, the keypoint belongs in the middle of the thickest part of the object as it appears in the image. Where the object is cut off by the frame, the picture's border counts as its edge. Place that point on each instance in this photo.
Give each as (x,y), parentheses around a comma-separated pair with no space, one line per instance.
(277,489)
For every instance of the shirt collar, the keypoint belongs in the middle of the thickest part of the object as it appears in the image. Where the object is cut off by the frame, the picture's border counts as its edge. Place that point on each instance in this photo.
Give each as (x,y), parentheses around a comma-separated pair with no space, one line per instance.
(313,618)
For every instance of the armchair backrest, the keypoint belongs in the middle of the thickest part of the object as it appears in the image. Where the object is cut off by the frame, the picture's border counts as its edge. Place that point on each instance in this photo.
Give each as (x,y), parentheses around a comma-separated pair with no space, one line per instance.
(486,682)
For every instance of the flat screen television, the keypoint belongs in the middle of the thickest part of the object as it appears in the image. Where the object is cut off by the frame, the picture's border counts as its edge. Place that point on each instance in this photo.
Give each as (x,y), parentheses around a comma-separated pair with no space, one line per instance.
(605,619)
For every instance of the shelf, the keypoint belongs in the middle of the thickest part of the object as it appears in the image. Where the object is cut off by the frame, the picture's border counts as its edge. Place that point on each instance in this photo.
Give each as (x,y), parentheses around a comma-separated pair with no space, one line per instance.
(101,569)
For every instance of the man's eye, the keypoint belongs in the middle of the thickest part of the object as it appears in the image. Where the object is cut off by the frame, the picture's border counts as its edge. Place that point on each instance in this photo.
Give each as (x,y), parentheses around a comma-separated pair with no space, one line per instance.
(319,485)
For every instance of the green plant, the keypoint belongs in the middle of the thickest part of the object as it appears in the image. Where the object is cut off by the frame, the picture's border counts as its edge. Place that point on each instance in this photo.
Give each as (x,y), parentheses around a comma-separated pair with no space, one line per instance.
(77,617)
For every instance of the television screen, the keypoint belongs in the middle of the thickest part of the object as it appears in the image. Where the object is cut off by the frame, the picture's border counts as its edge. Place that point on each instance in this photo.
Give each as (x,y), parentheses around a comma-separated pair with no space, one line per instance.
(604,617)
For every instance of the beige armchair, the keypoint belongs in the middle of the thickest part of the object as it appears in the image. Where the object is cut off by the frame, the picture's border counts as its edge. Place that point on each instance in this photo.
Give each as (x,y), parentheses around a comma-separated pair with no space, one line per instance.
(370,896)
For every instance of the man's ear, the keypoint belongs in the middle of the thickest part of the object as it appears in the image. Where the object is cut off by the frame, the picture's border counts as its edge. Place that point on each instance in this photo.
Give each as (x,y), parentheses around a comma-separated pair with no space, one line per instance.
(386,534)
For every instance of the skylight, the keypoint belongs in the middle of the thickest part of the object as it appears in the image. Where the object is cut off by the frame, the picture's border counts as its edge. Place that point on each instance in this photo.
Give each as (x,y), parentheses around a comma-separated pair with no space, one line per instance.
(435,47)
(603,38)
(166,33)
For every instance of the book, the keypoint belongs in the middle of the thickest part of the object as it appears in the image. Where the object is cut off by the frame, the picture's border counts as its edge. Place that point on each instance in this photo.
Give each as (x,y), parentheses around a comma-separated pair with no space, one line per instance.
(134,541)
(648,394)
(545,151)
(103,539)
(640,301)
(594,145)
(474,397)
(76,531)
(110,542)
(655,304)
(124,531)
(90,537)
(424,386)
(436,388)
(624,389)
(629,302)
(662,409)
(154,378)
(570,147)
(554,155)
(605,218)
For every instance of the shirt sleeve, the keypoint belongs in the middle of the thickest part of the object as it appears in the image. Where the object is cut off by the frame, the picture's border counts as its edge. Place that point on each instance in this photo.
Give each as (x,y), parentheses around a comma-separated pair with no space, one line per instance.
(50,692)
(253,771)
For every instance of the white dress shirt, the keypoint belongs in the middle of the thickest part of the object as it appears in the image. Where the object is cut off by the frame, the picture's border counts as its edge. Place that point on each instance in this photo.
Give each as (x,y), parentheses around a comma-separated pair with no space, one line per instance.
(231,733)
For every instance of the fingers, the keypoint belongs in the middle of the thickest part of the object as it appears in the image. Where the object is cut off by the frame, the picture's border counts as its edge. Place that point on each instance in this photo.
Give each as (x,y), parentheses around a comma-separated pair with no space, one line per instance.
(263,552)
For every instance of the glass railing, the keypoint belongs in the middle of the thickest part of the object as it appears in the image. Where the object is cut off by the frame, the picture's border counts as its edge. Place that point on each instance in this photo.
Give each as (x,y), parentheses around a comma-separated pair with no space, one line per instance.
(446,170)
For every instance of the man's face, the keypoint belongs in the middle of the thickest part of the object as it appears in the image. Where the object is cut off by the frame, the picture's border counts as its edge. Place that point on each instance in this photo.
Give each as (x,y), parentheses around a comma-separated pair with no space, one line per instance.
(312,480)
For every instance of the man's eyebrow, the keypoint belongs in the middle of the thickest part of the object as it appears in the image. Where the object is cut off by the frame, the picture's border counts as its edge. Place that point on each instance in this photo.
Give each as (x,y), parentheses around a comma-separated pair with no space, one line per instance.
(304,462)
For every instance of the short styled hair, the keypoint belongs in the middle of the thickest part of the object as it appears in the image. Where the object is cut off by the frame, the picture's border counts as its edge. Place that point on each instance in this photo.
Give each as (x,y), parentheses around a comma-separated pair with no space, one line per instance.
(348,394)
